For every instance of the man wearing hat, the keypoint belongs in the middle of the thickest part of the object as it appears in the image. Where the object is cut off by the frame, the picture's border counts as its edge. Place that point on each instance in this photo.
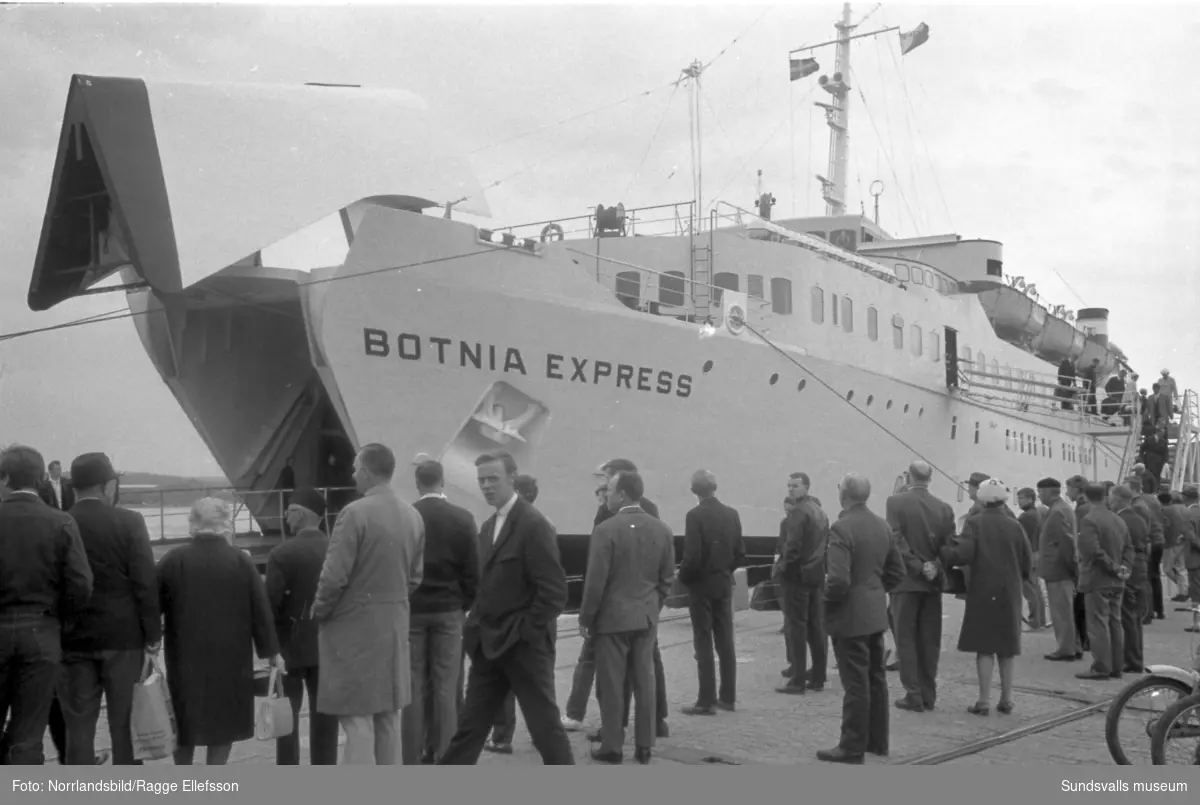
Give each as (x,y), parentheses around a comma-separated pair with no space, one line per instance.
(973,483)
(1058,567)
(104,651)
(293,569)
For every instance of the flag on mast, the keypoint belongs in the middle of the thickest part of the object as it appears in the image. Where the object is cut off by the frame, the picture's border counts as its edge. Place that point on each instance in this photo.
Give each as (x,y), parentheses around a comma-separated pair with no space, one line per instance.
(803,67)
(913,39)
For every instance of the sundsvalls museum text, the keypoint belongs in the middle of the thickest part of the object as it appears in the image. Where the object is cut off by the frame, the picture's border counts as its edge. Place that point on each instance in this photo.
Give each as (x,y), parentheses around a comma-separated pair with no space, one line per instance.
(124,787)
(565,368)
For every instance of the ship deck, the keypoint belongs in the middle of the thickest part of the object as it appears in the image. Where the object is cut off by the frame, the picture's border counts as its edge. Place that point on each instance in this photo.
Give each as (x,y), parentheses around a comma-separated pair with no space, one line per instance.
(1058,719)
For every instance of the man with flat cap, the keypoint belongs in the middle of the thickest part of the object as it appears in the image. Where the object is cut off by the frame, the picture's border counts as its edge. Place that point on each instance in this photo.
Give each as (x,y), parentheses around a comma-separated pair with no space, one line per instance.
(923,525)
(293,570)
(104,650)
(1106,561)
(1058,568)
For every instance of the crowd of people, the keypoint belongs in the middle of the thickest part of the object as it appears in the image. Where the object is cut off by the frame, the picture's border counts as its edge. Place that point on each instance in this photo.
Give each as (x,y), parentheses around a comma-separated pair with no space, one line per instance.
(416,633)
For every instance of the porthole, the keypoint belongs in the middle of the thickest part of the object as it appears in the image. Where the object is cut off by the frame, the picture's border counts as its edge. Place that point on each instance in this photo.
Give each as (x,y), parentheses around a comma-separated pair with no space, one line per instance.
(849,395)
(800,386)
(906,408)
(870,399)
(707,367)
(774,378)
(889,405)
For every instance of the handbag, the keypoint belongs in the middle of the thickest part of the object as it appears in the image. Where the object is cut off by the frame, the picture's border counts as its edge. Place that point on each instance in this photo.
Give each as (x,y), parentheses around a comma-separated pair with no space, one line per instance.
(273,713)
(956,581)
(152,721)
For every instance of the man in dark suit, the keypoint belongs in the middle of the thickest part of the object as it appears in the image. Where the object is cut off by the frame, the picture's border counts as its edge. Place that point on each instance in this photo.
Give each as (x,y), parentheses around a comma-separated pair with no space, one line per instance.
(1076,493)
(922,524)
(863,563)
(585,668)
(712,550)
(293,570)
(631,564)
(1120,501)
(64,489)
(104,652)
(801,580)
(45,581)
(447,591)
(1146,504)
(1106,561)
(509,633)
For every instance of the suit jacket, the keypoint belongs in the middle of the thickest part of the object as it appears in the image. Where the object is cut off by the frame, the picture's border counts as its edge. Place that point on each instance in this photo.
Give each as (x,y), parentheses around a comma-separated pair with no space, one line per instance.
(805,537)
(712,549)
(631,561)
(375,561)
(451,579)
(603,513)
(523,588)
(1056,543)
(1139,538)
(923,524)
(1031,520)
(66,501)
(43,565)
(1104,546)
(123,611)
(863,565)
(1175,525)
(1152,512)
(293,571)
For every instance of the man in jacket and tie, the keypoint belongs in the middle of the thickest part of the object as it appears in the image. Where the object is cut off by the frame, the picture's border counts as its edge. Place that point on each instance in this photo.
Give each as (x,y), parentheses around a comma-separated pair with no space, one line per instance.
(631,564)
(862,565)
(509,633)
(1106,561)
(1120,502)
(712,550)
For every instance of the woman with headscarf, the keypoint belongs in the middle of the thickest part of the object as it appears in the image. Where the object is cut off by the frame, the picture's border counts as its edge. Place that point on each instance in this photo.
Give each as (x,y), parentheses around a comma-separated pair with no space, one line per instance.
(994,547)
(216,617)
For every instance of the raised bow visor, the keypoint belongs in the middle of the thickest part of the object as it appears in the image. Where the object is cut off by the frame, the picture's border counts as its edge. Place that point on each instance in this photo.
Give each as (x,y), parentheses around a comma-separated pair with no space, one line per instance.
(180,180)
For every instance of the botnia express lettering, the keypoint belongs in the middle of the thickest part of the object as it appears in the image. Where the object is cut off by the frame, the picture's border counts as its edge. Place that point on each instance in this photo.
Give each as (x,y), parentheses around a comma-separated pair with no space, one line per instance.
(567,368)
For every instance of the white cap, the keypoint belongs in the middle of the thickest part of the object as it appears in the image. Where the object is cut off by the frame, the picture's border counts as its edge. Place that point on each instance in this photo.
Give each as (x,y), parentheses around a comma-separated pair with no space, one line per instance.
(992,491)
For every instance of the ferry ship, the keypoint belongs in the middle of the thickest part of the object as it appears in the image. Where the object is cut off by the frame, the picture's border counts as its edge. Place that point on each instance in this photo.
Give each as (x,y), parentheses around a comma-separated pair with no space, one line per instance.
(729,341)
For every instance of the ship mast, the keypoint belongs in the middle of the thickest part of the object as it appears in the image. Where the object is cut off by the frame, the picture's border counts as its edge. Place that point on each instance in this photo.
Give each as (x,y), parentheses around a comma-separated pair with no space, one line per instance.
(693,72)
(837,116)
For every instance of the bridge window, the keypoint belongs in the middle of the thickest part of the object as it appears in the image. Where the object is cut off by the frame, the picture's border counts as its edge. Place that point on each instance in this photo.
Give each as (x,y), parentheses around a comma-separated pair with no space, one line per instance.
(897,332)
(872,323)
(847,314)
(724,280)
(916,276)
(901,270)
(834,299)
(754,285)
(781,296)
(916,340)
(929,278)
(935,345)
(672,288)
(818,306)
(629,288)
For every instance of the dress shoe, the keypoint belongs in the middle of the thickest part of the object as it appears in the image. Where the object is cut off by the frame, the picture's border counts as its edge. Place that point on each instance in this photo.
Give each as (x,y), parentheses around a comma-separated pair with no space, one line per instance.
(697,710)
(1132,669)
(728,707)
(498,748)
(663,730)
(909,704)
(1061,658)
(102,757)
(816,687)
(794,690)
(1092,675)
(1179,598)
(571,724)
(1115,675)
(878,752)
(613,758)
(1079,654)
(427,758)
(839,755)
(594,737)
(642,755)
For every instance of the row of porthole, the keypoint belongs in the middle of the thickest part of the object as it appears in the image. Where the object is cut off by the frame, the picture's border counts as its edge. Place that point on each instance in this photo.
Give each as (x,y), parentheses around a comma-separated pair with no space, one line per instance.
(708,365)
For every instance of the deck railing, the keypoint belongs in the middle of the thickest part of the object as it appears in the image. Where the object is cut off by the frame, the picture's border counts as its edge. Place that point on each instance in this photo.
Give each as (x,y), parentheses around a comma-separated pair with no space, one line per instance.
(171,521)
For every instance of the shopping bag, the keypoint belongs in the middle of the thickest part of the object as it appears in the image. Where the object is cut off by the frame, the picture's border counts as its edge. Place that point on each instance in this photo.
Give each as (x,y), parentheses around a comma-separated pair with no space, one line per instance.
(152,723)
(766,597)
(273,712)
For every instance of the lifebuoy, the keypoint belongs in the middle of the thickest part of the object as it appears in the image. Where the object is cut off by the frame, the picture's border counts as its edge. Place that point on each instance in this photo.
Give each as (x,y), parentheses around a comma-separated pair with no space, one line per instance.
(551,229)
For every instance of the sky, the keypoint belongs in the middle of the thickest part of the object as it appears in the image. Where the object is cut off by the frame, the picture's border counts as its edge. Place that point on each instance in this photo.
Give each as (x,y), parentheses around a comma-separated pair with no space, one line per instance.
(1068,132)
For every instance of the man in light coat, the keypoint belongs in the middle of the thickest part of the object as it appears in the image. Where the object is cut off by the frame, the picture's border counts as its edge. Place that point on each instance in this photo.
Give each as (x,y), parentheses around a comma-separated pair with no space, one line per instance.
(376,559)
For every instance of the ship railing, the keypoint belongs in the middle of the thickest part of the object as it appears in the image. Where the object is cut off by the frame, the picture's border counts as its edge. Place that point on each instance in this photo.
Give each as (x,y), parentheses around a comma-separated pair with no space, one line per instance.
(1037,391)
(1185,464)
(170,521)
(674,219)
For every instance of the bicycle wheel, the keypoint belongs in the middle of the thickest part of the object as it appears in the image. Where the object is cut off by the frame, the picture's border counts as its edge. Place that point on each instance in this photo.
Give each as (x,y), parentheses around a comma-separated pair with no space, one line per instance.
(1139,721)
(1176,736)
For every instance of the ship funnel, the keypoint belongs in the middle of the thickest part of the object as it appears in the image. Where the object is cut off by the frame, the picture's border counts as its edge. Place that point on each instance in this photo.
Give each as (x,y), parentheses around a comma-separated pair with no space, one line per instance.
(1094,322)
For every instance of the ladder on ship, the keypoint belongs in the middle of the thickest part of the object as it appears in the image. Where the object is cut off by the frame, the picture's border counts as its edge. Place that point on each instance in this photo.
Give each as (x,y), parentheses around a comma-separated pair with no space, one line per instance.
(702,258)
(1183,452)
(1129,457)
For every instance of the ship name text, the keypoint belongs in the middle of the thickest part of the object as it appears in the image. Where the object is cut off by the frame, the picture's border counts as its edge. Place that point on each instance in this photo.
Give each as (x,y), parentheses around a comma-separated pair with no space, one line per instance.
(567,368)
